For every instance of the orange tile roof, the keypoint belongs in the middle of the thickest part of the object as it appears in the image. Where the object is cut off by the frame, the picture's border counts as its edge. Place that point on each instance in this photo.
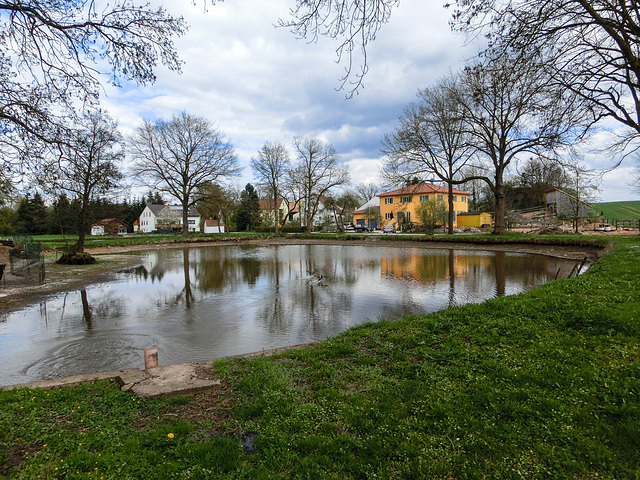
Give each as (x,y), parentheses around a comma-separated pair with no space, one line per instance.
(268,204)
(421,188)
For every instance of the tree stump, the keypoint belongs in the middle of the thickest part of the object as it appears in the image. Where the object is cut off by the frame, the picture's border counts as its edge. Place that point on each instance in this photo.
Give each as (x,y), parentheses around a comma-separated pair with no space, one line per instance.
(82,258)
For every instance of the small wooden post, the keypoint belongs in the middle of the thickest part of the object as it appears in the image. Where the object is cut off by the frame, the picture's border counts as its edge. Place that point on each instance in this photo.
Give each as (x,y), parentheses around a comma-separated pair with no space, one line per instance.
(150,358)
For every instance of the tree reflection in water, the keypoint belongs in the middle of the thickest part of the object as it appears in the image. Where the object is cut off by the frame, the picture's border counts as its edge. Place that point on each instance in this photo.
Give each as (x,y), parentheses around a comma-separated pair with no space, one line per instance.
(207,302)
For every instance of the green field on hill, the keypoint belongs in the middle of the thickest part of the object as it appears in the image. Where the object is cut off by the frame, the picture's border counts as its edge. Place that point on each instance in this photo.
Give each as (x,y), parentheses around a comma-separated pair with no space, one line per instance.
(618,210)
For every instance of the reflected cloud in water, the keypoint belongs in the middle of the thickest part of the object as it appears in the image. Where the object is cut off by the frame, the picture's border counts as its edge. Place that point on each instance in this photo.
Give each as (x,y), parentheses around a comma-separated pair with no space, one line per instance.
(208,302)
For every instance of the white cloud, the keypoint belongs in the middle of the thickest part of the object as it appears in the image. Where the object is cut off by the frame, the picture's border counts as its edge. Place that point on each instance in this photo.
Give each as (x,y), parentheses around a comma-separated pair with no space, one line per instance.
(258,83)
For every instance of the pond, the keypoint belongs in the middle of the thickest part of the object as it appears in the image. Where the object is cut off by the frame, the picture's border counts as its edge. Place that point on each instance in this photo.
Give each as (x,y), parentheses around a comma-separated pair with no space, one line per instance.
(208,302)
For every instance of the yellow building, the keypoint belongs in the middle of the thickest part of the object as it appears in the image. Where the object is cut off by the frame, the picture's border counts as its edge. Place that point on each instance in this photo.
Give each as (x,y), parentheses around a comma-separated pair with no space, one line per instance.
(268,213)
(399,206)
(475,219)
(368,216)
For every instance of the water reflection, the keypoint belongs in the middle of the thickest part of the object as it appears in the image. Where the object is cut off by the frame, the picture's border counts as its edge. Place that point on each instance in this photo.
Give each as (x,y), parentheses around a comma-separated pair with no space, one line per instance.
(201,303)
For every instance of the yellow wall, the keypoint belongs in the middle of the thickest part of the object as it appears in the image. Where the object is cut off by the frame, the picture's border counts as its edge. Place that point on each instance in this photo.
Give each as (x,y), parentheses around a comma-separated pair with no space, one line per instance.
(475,220)
(459,205)
(368,217)
(430,268)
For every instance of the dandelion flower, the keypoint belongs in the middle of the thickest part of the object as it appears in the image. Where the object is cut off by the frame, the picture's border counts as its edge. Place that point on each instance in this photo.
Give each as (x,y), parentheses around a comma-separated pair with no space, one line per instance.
(170,435)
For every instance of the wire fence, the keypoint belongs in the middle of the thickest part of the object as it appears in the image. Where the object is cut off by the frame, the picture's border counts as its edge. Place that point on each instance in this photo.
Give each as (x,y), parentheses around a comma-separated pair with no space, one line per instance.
(26,263)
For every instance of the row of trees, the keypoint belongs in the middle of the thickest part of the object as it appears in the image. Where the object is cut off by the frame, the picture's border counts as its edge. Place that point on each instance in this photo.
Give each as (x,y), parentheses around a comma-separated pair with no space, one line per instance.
(53,55)
(525,95)
(550,72)
(50,82)
(476,124)
(176,157)
(33,217)
(303,184)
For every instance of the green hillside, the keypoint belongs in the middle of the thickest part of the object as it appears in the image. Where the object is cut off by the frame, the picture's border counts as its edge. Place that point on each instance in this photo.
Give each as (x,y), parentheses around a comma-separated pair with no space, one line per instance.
(618,210)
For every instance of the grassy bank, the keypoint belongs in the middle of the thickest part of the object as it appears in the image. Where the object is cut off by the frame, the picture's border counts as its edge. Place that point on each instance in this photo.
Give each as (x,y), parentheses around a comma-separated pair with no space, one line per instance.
(50,242)
(540,385)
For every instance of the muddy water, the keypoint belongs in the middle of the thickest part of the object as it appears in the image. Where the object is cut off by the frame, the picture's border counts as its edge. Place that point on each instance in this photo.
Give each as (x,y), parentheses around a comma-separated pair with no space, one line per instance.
(208,302)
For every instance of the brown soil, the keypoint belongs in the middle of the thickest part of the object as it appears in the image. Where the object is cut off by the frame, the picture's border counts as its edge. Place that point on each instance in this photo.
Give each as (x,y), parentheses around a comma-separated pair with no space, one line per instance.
(18,291)
(15,292)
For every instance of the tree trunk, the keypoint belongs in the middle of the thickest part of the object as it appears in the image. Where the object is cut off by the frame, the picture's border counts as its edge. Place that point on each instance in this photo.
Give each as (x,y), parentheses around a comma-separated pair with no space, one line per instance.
(450,227)
(185,218)
(78,248)
(275,210)
(499,226)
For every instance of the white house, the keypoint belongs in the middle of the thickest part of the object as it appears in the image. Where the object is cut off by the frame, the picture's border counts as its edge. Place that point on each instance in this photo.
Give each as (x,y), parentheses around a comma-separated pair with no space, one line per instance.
(108,226)
(213,226)
(166,216)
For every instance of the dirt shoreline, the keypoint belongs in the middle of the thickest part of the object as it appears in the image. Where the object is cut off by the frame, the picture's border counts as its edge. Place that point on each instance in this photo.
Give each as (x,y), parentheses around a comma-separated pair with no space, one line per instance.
(111,260)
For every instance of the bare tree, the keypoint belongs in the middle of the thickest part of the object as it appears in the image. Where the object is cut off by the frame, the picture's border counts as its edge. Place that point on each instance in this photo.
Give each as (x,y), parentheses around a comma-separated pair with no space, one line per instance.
(218,200)
(292,192)
(88,165)
(430,140)
(591,44)
(51,57)
(583,184)
(270,167)
(318,171)
(511,109)
(366,191)
(474,184)
(538,175)
(354,23)
(181,155)
(342,207)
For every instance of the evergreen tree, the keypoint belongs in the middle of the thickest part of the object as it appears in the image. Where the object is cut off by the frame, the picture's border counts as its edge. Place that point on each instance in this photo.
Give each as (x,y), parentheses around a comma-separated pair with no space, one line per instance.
(7,218)
(249,213)
(31,216)
(131,211)
(63,218)
(154,198)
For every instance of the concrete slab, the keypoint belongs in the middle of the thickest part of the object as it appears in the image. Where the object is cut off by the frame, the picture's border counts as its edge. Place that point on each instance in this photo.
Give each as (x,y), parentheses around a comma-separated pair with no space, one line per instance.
(72,381)
(177,379)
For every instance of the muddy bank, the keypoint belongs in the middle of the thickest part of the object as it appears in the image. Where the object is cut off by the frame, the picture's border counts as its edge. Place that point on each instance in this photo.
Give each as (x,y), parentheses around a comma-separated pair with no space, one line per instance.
(14,293)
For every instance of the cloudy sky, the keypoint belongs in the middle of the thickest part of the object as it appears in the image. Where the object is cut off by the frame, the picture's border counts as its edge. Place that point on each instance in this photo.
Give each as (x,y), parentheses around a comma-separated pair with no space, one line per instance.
(258,83)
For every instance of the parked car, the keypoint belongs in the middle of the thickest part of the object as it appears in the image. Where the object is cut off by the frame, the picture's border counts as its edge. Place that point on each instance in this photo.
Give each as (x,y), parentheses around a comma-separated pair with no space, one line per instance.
(389,229)
(350,228)
(604,227)
(362,228)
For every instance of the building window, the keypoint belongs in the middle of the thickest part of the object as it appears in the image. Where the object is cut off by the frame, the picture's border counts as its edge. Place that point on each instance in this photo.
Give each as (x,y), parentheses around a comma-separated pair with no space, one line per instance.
(389,200)
(424,198)
(455,198)
(408,217)
(406,199)
(464,199)
(388,216)
(440,197)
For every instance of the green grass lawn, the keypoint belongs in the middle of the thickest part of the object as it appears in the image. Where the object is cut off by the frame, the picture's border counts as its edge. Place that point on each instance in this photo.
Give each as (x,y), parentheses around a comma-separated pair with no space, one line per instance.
(542,385)
(618,210)
(50,242)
